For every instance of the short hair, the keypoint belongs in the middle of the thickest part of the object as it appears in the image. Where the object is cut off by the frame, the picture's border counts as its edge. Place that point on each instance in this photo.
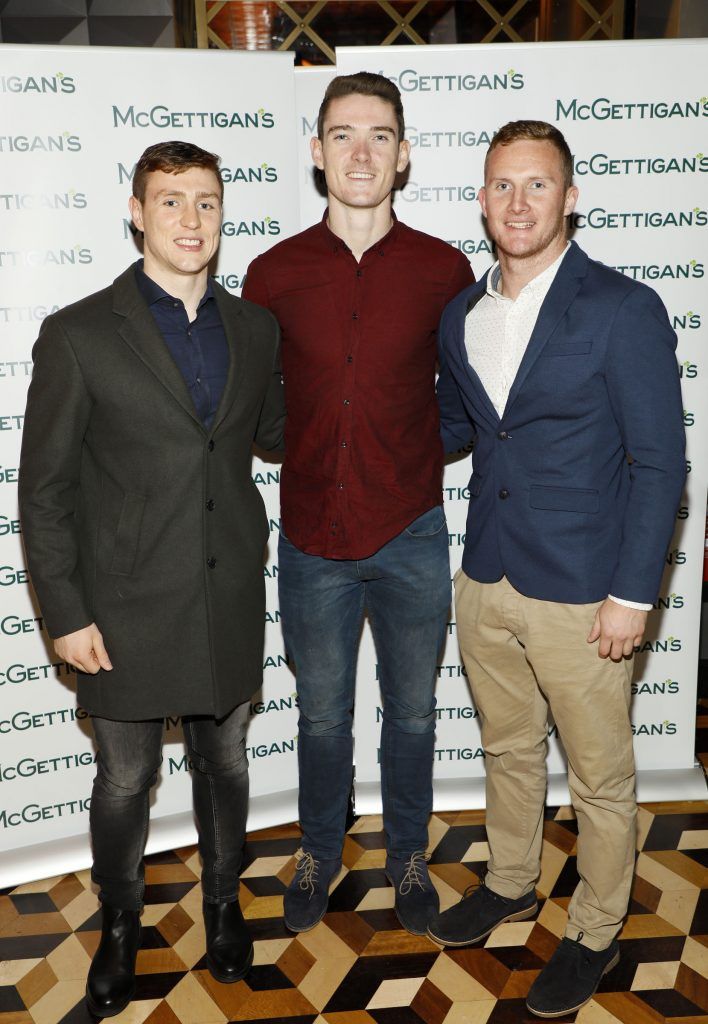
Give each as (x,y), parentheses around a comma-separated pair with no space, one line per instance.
(363,83)
(538,131)
(173,158)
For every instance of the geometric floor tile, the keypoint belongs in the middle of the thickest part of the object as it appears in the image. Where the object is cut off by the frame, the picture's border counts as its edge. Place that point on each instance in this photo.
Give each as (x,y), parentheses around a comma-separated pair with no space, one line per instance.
(358,966)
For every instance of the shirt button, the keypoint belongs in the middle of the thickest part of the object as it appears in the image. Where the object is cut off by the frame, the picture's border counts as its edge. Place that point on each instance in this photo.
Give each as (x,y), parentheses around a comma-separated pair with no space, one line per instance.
(340,486)
(210,445)
(211,562)
(199,380)
(350,359)
(346,401)
(503,436)
(211,505)
(360,273)
(343,444)
(355,316)
(503,494)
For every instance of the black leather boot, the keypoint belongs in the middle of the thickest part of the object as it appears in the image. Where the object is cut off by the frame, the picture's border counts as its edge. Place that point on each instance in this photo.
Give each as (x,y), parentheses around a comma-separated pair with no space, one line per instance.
(111,978)
(228,942)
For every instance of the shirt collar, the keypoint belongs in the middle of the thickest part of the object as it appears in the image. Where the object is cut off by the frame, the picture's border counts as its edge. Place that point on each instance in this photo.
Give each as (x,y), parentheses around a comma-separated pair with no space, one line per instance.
(152,292)
(335,243)
(541,283)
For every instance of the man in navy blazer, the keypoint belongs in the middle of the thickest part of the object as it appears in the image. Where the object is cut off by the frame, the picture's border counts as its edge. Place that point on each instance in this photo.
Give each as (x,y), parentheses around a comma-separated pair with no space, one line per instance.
(564,373)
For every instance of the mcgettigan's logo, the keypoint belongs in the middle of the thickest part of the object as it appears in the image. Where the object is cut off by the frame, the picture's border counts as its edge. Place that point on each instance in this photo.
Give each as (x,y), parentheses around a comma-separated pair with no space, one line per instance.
(32,813)
(64,143)
(654,729)
(15,368)
(412,192)
(13,625)
(28,767)
(598,217)
(19,673)
(671,645)
(658,271)
(676,557)
(601,164)
(604,109)
(58,83)
(45,257)
(9,576)
(231,282)
(670,601)
(688,370)
(471,245)
(655,689)
(160,116)
(410,80)
(688,321)
(466,139)
(25,314)
(21,721)
(261,173)
(253,228)
(19,201)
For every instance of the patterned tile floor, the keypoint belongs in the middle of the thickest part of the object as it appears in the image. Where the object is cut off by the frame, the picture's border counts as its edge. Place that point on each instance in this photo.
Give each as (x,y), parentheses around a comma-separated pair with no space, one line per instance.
(357,966)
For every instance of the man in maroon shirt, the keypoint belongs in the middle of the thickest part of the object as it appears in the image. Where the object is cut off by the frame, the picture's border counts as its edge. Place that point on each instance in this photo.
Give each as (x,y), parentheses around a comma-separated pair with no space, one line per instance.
(358,298)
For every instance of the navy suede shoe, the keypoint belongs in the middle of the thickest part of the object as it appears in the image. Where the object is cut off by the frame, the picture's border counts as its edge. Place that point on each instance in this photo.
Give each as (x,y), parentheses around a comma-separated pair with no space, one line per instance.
(477,914)
(306,898)
(417,900)
(570,978)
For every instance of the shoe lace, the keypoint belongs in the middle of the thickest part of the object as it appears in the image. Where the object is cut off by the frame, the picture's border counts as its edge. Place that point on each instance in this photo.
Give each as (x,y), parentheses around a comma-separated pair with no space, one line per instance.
(309,867)
(414,875)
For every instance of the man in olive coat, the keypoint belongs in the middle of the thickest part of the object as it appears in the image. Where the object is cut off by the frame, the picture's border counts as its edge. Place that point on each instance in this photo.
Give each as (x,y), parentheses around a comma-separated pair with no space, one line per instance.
(145,538)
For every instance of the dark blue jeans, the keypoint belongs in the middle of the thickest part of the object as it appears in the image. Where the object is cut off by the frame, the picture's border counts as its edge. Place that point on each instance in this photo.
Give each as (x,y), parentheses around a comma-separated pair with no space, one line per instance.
(405,587)
(129,756)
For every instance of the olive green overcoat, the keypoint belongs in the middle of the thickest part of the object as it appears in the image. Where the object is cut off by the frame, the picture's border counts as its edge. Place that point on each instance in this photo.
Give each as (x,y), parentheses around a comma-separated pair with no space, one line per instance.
(139,519)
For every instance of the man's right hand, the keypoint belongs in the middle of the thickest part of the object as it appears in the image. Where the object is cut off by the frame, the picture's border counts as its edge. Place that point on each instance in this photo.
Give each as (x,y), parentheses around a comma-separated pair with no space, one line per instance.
(84,650)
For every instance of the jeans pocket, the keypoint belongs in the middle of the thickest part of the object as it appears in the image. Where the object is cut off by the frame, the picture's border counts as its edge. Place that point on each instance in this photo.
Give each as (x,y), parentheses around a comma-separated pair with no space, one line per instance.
(427,525)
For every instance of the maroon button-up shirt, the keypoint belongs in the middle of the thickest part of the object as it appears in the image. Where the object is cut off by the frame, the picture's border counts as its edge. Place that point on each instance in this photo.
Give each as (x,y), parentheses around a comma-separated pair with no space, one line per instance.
(363,452)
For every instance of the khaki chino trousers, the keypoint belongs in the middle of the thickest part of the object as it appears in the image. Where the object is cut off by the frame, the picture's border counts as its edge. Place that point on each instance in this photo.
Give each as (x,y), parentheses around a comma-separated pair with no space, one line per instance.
(523,656)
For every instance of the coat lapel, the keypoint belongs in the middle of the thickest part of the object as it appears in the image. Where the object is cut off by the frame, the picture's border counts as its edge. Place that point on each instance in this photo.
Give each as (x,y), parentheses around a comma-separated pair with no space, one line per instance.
(238,336)
(139,330)
(560,295)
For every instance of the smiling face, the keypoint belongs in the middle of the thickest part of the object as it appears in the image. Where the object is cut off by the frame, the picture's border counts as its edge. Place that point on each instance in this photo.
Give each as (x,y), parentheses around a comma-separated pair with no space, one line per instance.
(181,218)
(359,151)
(525,200)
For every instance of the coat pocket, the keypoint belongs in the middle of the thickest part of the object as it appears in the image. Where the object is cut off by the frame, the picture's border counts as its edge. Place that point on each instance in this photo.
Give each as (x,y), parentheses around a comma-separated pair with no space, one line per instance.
(127,535)
(564,499)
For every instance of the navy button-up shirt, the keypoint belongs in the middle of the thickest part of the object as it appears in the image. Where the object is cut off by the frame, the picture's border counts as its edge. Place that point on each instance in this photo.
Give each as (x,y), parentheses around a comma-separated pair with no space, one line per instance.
(199,348)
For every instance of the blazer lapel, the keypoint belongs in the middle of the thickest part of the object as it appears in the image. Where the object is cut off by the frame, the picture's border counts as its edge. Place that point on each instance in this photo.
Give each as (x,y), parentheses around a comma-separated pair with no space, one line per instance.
(140,331)
(238,337)
(560,295)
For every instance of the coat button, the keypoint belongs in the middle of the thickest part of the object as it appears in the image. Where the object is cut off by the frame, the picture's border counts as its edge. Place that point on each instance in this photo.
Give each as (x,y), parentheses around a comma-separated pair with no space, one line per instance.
(503,436)
(503,493)
(211,505)
(211,562)
(210,445)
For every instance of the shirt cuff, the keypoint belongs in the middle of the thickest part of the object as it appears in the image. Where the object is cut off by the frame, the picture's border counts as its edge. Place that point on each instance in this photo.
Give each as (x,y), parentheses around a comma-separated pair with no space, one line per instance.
(631,604)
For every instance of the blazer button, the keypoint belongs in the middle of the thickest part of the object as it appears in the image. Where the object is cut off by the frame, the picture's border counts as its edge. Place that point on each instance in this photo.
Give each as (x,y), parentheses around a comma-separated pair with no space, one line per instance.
(211,562)
(503,436)
(211,505)
(210,445)
(503,494)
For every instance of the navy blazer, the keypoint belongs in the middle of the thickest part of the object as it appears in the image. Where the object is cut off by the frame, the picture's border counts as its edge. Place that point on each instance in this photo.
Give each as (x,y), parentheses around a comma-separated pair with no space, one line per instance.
(575,488)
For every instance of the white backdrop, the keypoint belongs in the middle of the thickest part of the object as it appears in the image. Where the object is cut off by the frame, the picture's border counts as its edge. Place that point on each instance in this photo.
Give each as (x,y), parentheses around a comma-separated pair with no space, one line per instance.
(74,124)
(641,155)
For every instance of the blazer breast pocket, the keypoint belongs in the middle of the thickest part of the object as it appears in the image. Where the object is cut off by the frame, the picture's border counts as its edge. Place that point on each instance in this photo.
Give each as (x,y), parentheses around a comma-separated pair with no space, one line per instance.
(567,348)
